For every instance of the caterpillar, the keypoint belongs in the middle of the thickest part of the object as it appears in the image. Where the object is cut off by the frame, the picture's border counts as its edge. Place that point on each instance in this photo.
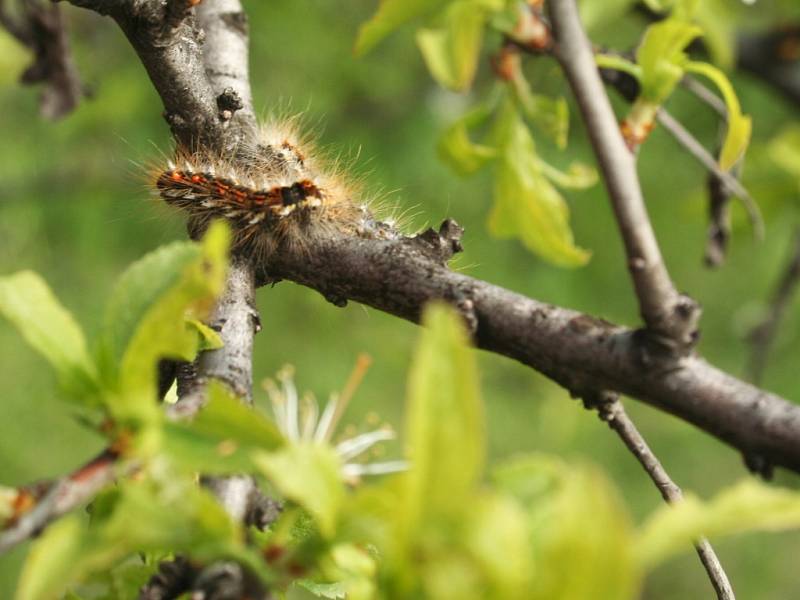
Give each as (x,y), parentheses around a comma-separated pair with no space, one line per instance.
(274,193)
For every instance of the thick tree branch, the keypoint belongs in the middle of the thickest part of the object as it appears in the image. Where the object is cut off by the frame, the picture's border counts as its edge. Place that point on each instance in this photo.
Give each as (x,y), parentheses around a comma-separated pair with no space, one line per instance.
(577,351)
(610,409)
(670,317)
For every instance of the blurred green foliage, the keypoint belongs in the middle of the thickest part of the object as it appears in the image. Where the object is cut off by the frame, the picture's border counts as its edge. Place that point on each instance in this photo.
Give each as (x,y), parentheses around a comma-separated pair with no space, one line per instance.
(74,207)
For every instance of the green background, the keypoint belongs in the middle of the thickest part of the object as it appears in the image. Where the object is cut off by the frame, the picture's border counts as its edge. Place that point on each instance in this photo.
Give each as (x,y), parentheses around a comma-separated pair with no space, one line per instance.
(74,205)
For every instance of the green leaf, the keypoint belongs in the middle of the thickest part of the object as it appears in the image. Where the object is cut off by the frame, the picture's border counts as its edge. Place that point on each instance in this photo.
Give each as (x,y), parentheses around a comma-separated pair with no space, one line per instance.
(138,289)
(740,126)
(618,63)
(334,591)
(392,14)
(458,151)
(497,521)
(222,436)
(661,57)
(526,205)
(451,51)
(190,289)
(578,176)
(444,423)
(29,304)
(310,475)
(574,517)
(175,515)
(746,506)
(551,115)
(209,339)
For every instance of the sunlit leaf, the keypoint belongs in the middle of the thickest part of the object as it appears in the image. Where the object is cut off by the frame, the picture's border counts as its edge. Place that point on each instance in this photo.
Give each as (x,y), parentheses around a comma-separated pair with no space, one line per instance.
(334,591)
(746,506)
(222,436)
(499,522)
(137,290)
(444,420)
(308,474)
(574,517)
(618,63)
(161,330)
(737,137)
(392,14)
(451,50)
(526,205)
(551,115)
(209,339)
(29,304)
(177,517)
(578,176)
(661,57)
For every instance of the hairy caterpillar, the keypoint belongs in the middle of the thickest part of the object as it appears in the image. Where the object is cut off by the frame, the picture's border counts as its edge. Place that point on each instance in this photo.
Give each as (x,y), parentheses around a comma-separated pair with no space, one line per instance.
(274,193)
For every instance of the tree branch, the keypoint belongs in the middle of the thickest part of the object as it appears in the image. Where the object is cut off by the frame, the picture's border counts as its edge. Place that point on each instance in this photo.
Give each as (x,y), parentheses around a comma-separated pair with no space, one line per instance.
(670,317)
(610,410)
(400,276)
(40,504)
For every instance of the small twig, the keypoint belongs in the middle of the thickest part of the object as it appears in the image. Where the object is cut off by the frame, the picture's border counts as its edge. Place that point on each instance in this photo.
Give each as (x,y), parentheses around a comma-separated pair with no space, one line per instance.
(48,501)
(610,409)
(731,184)
(705,95)
(762,336)
(671,318)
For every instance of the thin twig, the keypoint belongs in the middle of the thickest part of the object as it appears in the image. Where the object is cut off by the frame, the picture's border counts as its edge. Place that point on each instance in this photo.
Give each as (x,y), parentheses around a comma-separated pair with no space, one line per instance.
(671,318)
(763,335)
(610,409)
(731,183)
(705,95)
(48,501)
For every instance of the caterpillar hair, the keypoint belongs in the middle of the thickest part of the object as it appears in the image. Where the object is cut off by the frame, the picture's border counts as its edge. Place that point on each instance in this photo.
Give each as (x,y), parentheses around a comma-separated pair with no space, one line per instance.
(275,193)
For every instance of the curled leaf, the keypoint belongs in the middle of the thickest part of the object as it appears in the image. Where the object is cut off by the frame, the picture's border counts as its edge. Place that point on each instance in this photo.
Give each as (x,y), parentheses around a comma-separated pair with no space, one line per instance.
(740,126)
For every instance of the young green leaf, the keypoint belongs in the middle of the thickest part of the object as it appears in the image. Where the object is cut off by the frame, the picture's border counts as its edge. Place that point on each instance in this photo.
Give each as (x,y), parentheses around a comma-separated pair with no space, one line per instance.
(209,339)
(551,115)
(222,436)
(137,290)
(451,50)
(445,435)
(737,137)
(526,205)
(458,151)
(175,516)
(160,331)
(661,57)
(391,15)
(310,475)
(746,506)
(29,304)
(574,517)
